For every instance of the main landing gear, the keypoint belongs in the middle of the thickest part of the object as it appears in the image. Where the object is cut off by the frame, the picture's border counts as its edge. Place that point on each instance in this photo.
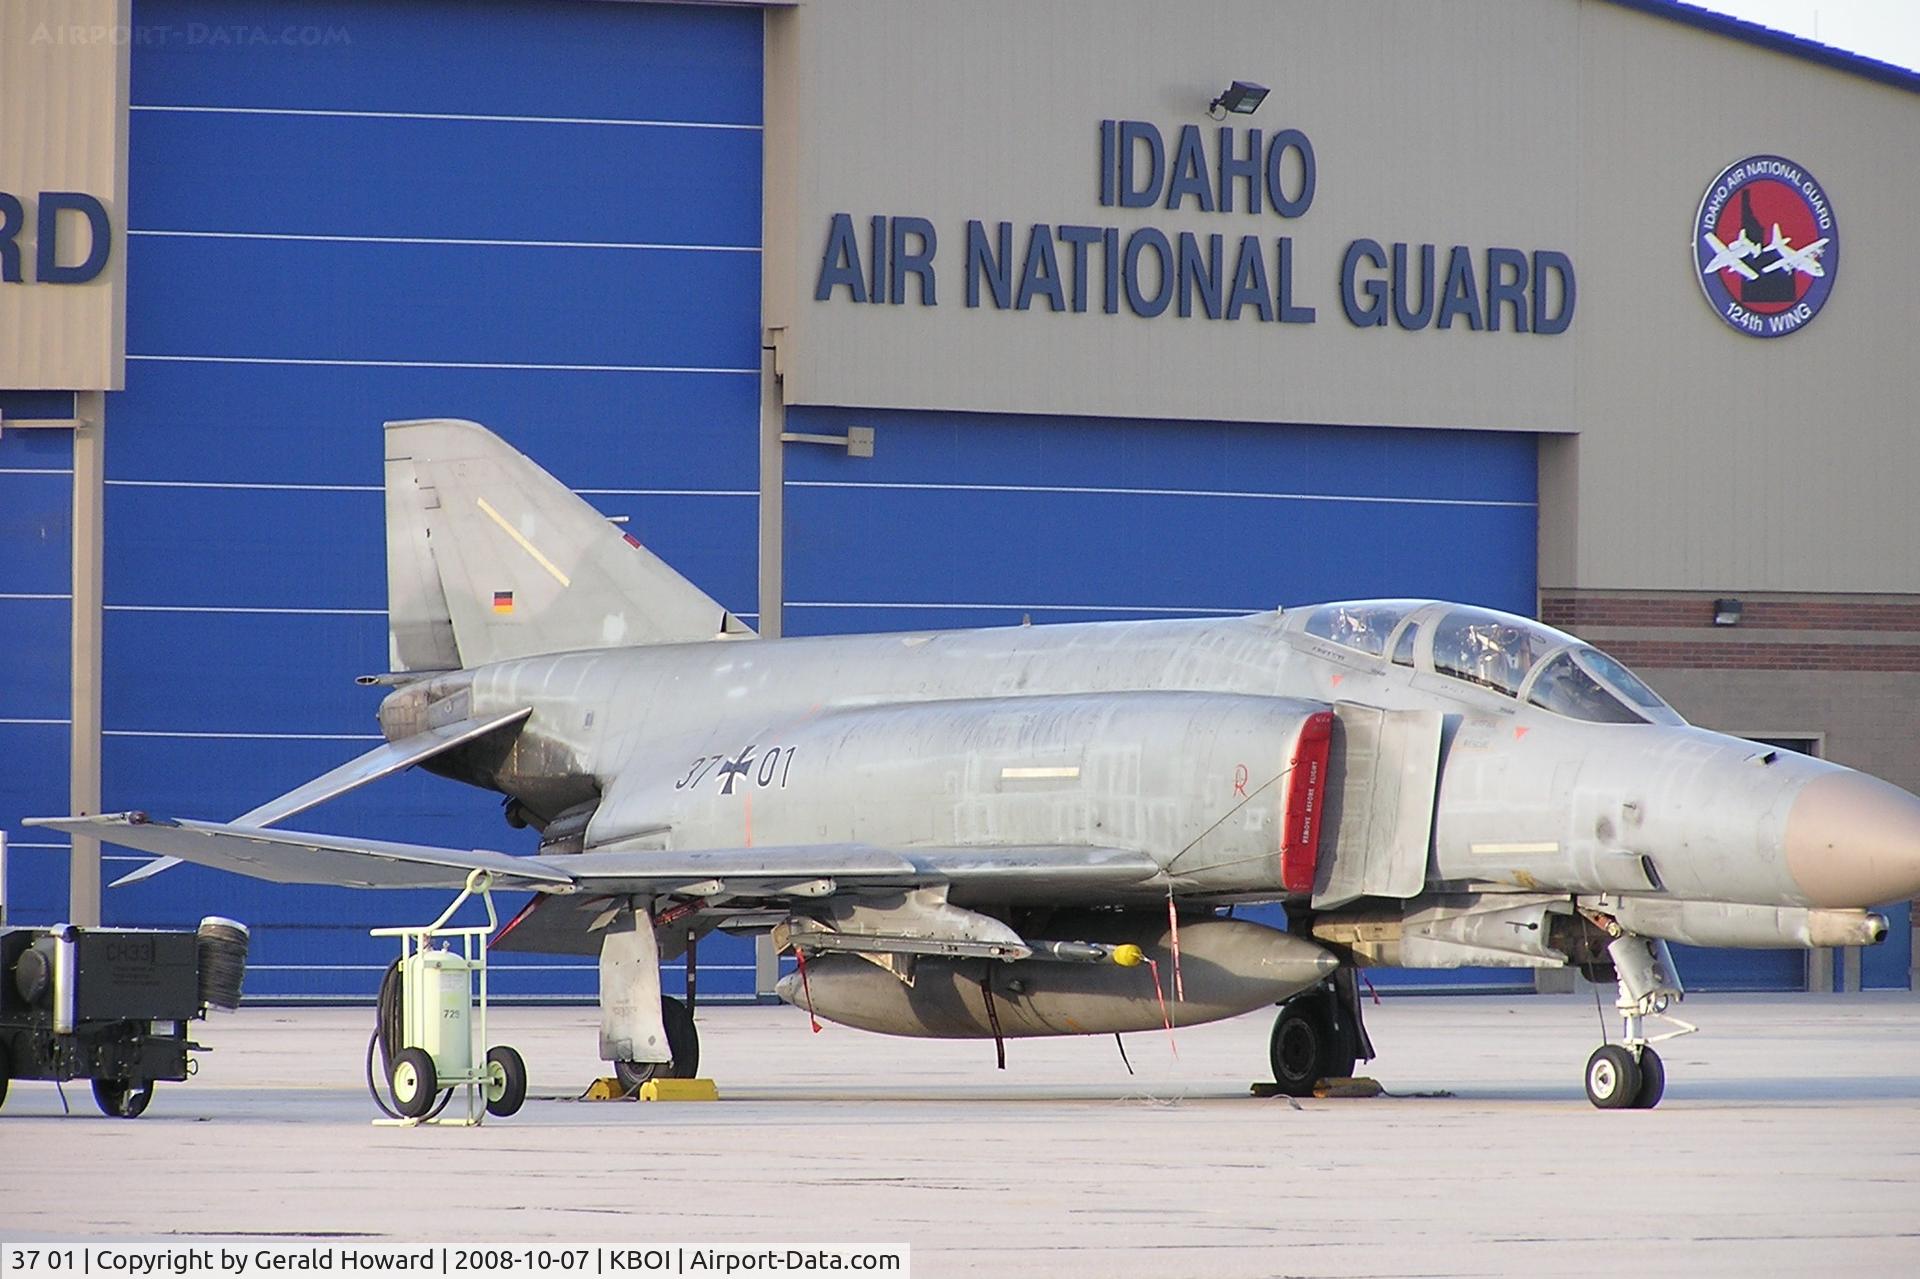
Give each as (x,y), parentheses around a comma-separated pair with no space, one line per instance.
(1319,1035)
(683,1041)
(1629,1075)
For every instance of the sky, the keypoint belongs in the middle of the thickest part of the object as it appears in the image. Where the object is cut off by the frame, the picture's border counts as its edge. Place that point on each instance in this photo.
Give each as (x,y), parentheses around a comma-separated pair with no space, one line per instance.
(1885,29)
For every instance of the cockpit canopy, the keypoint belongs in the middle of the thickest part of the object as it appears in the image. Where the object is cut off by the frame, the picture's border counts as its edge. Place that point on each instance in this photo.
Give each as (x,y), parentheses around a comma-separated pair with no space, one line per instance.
(1511,655)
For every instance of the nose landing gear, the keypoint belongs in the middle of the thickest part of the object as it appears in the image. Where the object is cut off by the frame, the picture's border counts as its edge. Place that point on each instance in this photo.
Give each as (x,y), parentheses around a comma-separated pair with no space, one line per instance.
(1629,1075)
(1617,1079)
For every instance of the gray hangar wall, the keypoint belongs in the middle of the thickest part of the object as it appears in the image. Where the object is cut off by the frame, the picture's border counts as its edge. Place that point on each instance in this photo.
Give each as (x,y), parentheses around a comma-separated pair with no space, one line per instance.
(1013,229)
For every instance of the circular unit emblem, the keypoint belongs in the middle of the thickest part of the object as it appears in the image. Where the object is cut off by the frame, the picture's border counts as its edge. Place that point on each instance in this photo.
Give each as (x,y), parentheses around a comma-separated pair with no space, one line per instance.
(1766,246)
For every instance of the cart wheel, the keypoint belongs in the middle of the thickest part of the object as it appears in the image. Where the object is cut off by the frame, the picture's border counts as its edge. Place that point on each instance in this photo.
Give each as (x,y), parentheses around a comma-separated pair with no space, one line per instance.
(121,1098)
(413,1083)
(506,1081)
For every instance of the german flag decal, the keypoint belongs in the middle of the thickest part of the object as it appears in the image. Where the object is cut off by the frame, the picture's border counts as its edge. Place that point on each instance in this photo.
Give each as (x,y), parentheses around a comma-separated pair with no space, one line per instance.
(503,601)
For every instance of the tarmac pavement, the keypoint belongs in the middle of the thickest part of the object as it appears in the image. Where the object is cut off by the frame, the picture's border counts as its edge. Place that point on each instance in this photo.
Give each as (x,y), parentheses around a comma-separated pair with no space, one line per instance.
(1788,1143)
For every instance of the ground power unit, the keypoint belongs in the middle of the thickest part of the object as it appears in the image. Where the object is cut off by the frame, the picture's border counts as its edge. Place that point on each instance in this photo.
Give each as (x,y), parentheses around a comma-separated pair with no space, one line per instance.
(111,1005)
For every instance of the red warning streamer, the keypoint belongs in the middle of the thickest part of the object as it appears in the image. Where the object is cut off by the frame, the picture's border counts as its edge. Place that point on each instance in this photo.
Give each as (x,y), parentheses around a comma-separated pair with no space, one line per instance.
(800,957)
(1166,1018)
(1173,926)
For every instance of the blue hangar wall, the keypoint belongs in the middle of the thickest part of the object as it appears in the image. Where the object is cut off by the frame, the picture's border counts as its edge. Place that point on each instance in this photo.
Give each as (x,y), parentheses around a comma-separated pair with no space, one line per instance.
(546,218)
(541,217)
(36,567)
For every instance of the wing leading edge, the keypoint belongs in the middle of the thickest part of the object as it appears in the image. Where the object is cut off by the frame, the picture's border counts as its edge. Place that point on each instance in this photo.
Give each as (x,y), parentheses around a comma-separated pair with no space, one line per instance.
(289,857)
(782,873)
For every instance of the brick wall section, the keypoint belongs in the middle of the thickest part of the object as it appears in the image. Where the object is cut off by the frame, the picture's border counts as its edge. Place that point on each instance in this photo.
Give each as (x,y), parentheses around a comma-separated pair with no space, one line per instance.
(1572,613)
(1611,620)
(1706,655)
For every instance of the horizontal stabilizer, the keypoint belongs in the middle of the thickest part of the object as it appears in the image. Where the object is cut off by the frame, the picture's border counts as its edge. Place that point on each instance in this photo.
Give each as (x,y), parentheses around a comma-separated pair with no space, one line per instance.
(383,760)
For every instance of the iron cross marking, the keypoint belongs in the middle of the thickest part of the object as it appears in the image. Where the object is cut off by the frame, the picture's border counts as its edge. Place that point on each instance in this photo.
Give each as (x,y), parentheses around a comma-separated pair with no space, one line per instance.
(734,769)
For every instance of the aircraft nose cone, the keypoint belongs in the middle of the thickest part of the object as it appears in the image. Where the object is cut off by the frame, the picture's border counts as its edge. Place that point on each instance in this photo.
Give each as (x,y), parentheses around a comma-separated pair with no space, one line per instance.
(1854,840)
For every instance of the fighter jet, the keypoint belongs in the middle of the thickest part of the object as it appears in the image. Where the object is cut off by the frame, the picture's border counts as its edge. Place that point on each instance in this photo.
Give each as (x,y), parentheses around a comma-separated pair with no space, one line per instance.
(1731,257)
(1045,830)
(1806,261)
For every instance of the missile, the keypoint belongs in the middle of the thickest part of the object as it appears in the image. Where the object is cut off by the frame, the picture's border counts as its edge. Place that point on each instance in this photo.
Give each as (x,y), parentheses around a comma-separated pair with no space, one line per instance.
(1757,927)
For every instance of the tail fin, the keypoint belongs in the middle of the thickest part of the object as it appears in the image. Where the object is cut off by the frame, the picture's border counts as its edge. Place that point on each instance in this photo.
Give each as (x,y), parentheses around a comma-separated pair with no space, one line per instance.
(491,558)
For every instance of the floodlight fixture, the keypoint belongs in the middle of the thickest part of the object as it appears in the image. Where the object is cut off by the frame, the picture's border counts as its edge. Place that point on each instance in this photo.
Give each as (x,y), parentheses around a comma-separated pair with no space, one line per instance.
(1242,97)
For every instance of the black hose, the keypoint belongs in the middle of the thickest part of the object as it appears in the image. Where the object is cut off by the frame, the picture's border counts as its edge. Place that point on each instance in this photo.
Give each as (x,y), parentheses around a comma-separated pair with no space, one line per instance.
(389,1025)
(386,1033)
(373,1088)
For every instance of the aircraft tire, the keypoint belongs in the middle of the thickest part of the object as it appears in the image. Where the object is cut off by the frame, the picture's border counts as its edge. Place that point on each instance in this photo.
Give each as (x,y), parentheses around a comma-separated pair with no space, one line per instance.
(506,1081)
(683,1041)
(413,1083)
(1653,1080)
(121,1098)
(4,1068)
(1306,1047)
(1613,1077)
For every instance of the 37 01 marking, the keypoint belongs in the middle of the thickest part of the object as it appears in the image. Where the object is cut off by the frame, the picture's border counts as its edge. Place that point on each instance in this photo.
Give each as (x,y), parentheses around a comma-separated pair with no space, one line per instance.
(751,767)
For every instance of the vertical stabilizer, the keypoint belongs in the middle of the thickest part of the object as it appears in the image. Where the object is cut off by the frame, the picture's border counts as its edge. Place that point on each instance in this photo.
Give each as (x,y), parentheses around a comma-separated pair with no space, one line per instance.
(491,558)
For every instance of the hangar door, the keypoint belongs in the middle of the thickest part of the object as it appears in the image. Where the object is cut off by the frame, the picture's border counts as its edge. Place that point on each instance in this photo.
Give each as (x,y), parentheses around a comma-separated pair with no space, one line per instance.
(541,216)
(982,520)
(36,538)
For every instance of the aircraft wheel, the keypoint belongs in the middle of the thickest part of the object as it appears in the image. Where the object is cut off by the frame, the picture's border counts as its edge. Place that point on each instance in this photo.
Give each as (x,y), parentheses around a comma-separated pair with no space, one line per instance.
(4,1072)
(1306,1048)
(683,1041)
(121,1098)
(1653,1080)
(413,1083)
(1613,1077)
(506,1081)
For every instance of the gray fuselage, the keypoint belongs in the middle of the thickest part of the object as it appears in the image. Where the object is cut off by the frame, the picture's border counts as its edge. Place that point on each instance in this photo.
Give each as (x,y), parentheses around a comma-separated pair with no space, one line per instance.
(1172,738)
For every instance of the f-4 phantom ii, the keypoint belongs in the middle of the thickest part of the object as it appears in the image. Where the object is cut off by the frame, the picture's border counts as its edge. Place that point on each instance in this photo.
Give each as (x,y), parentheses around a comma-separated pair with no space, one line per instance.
(981,834)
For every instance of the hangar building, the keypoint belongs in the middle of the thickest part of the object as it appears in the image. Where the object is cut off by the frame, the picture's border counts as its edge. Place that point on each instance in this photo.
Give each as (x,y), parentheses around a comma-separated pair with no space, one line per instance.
(1539,305)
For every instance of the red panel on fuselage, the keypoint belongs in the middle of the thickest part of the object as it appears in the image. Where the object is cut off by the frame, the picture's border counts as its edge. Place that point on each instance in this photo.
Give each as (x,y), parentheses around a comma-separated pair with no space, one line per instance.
(1306,796)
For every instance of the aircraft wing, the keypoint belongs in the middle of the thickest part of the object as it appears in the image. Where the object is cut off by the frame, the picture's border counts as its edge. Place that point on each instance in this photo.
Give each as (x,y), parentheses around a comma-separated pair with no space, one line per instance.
(819,869)
(288,857)
(892,901)
(773,873)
